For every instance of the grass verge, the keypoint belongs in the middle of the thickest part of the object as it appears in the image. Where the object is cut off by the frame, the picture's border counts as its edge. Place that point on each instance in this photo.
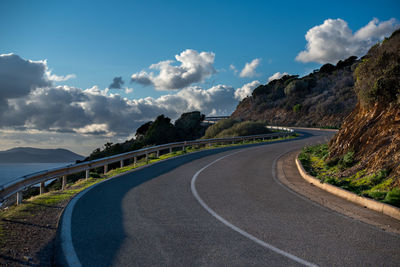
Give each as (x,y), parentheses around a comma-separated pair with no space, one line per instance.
(378,186)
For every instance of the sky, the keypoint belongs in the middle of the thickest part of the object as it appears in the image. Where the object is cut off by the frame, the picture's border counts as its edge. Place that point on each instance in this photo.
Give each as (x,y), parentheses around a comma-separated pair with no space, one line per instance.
(78,74)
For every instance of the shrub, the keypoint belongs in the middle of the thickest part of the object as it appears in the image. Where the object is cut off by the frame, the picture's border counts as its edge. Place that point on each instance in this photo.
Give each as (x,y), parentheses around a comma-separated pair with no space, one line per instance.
(297,108)
(243,129)
(393,197)
(347,160)
(221,125)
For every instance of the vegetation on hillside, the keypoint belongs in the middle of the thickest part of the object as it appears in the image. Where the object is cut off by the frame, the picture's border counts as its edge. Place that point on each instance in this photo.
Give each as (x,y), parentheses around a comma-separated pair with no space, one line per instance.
(233,127)
(322,98)
(160,131)
(378,76)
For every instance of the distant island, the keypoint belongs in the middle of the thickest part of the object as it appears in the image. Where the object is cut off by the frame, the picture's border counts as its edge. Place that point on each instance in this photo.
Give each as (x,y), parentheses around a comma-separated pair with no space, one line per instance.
(37,155)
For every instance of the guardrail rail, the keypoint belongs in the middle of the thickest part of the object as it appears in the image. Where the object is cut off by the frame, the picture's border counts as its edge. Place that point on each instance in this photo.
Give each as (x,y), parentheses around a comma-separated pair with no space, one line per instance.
(16,187)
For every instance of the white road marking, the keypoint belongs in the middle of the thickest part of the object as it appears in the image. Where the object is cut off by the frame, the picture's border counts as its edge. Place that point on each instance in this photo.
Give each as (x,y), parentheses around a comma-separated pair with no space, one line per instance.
(235,228)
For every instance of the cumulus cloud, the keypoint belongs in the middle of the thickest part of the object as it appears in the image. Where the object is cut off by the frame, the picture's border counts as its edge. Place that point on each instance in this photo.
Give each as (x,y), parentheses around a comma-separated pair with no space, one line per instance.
(194,67)
(18,77)
(96,112)
(276,76)
(249,69)
(246,90)
(39,105)
(59,78)
(333,40)
(117,83)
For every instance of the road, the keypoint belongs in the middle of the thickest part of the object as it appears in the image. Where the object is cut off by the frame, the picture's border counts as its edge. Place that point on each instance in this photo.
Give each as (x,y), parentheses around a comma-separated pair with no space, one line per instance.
(217,208)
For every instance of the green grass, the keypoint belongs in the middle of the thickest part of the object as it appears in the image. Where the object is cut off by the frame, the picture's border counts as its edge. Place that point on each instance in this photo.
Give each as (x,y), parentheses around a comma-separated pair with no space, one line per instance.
(378,185)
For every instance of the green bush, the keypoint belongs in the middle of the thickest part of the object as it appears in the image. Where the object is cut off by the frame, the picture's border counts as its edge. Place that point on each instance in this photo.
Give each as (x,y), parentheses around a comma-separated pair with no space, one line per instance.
(393,197)
(218,127)
(297,108)
(243,129)
(347,160)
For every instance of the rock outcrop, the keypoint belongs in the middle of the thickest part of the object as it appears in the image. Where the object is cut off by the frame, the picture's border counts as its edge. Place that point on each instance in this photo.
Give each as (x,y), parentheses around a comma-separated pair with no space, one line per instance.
(372,130)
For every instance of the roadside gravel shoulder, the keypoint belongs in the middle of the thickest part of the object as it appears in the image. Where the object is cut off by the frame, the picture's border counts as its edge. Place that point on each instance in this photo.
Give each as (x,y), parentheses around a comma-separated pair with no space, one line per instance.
(288,175)
(30,240)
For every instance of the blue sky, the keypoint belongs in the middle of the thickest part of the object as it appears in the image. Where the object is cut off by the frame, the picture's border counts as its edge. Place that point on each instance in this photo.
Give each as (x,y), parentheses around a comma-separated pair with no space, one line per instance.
(99,40)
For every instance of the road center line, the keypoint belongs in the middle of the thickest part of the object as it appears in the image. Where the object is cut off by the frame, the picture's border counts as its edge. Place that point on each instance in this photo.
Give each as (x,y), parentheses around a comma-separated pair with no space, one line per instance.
(235,228)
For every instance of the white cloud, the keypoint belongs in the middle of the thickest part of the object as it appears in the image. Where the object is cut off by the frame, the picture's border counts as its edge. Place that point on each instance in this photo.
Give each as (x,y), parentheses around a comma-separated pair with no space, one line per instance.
(95,128)
(194,67)
(57,78)
(45,107)
(277,75)
(128,90)
(95,112)
(333,40)
(249,69)
(246,90)
(233,68)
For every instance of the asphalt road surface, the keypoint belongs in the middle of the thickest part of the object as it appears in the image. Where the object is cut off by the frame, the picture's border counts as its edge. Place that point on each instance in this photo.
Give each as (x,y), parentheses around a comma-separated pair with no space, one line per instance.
(216,208)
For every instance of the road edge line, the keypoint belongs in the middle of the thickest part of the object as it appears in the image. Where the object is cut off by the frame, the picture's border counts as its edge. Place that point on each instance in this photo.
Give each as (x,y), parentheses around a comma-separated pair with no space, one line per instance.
(235,228)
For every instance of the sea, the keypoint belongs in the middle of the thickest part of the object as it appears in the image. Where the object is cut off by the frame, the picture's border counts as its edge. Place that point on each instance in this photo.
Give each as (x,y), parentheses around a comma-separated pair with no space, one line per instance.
(13,171)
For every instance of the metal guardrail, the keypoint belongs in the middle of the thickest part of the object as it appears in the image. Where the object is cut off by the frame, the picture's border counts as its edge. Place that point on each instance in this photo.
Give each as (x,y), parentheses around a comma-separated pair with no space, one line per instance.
(19,185)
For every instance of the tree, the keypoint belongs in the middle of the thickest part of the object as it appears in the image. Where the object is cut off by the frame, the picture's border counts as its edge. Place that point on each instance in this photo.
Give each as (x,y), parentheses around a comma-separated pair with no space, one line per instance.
(161,131)
(188,126)
(142,130)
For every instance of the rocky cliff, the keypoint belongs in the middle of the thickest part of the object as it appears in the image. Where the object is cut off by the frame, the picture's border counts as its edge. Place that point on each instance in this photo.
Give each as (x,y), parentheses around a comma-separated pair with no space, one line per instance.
(322,98)
(372,130)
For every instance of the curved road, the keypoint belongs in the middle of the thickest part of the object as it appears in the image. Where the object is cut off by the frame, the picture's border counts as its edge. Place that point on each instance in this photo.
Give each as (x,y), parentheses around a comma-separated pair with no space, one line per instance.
(216,208)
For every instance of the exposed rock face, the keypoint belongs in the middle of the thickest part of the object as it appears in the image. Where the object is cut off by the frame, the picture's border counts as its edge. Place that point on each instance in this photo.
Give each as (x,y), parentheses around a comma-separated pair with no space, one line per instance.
(323,98)
(372,130)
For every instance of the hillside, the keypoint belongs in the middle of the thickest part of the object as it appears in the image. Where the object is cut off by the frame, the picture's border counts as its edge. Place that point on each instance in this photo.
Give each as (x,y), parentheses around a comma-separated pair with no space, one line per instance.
(322,98)
(372,131)
(37,155)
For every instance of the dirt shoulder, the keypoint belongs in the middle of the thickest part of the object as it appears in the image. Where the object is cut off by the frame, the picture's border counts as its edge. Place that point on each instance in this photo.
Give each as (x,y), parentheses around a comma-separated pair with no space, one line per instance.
(30,240)
(288,175)
(28,232)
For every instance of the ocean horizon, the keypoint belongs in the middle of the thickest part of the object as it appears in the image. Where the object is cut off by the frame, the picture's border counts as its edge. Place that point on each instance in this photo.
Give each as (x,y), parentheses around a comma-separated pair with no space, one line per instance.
(13,171)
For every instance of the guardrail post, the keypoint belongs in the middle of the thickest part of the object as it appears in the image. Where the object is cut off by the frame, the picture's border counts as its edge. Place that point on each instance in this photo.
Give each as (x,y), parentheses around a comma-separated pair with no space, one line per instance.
(63,182)
(134,161)
(147,158)
(42,189)
(87,174)
(105,168)
(170,150)
(19,198)
(158,153)
(121,163)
